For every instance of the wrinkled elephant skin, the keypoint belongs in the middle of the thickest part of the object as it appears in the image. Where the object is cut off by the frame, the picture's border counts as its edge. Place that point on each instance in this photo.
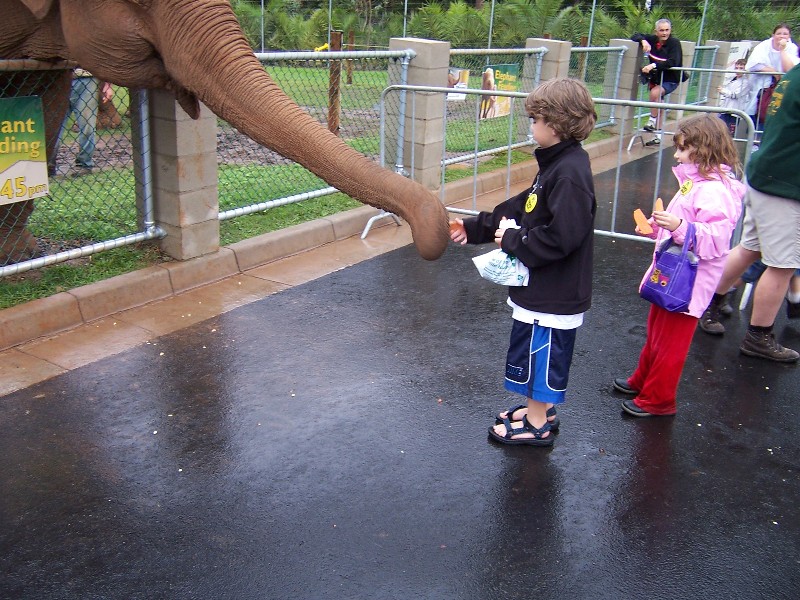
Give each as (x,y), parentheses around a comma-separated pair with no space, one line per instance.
(196,49)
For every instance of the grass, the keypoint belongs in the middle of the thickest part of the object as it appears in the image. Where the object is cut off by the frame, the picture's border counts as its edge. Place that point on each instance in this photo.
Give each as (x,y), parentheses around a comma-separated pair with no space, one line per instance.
(42,283)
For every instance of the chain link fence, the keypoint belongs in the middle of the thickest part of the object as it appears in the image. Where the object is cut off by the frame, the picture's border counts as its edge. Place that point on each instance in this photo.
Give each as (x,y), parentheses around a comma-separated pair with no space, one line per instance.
(482,125)
(92,190)
(600,69)
(342,93)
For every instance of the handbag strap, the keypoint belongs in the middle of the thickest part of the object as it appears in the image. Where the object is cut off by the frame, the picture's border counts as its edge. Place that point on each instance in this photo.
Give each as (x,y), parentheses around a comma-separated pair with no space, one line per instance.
(689,241)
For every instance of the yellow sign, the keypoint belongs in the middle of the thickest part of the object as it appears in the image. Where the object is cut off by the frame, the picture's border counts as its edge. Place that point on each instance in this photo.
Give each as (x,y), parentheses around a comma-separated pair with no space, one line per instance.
(23,160)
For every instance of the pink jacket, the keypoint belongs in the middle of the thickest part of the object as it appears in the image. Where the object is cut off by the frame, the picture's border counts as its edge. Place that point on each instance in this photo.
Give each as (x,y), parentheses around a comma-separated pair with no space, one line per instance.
(714,206)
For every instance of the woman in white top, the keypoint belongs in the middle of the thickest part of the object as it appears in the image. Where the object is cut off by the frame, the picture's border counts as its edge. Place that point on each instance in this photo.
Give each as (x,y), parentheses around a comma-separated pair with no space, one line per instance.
(766,58)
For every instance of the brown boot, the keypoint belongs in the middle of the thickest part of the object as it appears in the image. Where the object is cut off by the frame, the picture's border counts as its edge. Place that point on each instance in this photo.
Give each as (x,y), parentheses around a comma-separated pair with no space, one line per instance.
(763,345)
(710,321)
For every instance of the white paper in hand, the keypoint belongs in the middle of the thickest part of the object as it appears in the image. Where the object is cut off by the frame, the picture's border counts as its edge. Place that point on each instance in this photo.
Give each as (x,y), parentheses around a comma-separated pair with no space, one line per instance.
(499,267)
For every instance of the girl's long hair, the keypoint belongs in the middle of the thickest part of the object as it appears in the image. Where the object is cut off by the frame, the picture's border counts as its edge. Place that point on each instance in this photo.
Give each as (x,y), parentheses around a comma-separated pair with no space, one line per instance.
(711,143)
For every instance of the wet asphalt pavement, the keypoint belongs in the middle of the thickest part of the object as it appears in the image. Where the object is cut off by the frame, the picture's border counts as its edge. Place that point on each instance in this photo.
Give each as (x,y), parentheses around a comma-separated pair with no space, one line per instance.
(329,441)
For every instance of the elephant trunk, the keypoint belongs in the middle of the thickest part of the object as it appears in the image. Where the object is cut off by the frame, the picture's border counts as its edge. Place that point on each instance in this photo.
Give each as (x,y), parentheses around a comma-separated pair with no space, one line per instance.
(219,68)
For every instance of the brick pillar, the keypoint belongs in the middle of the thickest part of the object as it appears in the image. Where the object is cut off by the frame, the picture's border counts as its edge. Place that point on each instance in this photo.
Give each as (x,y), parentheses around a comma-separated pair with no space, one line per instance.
(722,61)
(556,59)
(629,86)
(424,111)
(679,95)
(184,174)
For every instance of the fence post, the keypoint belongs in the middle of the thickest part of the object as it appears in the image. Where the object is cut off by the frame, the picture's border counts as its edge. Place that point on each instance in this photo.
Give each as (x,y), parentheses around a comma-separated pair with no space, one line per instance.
(351,46)
(335,82)
(424,118)
(555,62)
(683,89)
(721,61)
(184,174)
(628,88)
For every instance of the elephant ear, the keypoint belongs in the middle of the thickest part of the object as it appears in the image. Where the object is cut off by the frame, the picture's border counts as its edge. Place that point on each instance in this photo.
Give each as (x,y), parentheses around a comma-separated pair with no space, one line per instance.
(39,8)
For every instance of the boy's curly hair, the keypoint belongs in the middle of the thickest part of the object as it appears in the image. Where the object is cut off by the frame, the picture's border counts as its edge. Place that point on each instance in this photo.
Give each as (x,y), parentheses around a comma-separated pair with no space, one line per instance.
(711,143)
(565,105)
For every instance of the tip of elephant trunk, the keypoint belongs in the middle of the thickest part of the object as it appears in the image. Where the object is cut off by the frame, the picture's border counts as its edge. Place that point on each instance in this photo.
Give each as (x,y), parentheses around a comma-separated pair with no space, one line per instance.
(431,231)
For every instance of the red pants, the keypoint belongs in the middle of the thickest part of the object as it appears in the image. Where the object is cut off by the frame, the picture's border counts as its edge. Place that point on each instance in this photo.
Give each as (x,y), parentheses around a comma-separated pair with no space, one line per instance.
(669,336)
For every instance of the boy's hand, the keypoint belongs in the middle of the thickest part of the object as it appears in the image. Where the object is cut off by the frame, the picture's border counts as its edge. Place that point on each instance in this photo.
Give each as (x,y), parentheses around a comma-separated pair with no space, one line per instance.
(457,232)
(666,220)
(498,236)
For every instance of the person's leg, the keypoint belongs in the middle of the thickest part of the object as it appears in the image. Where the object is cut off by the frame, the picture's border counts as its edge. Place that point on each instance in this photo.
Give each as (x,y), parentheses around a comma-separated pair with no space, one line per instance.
(537,366)
(738,261)
(87,104)
(656,93)
(669,336)
(769,294)
(778,220)
(793,296)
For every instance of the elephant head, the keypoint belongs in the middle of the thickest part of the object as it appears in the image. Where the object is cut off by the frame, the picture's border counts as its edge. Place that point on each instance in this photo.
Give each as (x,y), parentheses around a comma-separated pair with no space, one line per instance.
(196,49)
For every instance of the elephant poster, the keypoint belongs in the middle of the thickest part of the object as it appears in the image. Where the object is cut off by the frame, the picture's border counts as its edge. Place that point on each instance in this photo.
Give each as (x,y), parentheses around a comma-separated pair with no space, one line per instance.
(499,77)
(23,162)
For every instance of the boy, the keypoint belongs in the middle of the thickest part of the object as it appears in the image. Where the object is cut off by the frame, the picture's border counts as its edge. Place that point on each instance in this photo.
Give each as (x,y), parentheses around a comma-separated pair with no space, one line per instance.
(735,94)
(554,240)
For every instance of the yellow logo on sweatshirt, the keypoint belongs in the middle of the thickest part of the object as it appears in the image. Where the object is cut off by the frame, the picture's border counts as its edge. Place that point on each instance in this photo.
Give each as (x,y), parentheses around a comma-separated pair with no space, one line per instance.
(530,204)
(686,187)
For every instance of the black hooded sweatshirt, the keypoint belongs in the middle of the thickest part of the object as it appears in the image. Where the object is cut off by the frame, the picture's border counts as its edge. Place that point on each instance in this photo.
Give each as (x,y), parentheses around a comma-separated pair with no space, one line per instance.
(555,239)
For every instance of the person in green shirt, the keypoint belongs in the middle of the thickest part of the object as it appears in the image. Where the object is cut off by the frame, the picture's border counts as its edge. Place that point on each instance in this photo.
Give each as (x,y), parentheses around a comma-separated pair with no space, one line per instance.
(771,222)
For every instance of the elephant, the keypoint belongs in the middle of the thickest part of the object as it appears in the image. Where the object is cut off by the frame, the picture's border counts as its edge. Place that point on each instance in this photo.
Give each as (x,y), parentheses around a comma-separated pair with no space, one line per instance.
(197,50)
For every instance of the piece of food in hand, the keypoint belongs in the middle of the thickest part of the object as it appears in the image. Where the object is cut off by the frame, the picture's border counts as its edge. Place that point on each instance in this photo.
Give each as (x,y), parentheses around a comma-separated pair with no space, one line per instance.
(454,226)
(659,204)
(641,222)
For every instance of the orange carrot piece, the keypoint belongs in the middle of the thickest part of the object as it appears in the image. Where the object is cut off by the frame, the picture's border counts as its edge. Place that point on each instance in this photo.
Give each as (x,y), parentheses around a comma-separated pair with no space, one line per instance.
(641,222)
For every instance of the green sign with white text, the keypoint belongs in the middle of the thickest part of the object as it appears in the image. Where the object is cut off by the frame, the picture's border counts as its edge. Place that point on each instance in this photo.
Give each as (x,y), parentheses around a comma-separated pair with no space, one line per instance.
(23,160)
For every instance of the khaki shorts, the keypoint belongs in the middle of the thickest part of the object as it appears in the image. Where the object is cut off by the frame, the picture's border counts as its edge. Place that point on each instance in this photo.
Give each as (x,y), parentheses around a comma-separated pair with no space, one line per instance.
(772,227)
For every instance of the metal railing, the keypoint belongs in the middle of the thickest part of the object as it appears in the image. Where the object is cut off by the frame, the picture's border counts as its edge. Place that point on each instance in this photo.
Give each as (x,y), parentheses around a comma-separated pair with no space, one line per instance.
(600,68)
(608,216)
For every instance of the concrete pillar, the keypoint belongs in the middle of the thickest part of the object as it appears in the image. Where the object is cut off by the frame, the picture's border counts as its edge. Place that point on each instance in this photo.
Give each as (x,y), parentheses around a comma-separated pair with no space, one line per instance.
(184,173)
(722,61)
(424,122)
(556,59)
(628,88)
(679,95)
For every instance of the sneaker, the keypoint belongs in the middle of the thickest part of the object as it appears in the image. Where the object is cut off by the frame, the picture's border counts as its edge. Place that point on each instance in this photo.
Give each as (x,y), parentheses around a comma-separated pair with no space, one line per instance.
(651,125)
(793,310)
(621,385)
(763,345)
(709,322)
(654,142)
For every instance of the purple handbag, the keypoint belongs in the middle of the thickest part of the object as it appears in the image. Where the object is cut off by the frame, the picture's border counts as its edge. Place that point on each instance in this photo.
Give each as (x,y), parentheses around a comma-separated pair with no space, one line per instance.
(670,281)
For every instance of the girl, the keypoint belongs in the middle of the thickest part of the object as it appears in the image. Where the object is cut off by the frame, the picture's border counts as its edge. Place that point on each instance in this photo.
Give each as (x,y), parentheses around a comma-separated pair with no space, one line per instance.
(710,198)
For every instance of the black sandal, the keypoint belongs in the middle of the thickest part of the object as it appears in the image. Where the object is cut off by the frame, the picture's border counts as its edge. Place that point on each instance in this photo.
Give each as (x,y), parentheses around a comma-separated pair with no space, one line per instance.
(538,438)
(551,412)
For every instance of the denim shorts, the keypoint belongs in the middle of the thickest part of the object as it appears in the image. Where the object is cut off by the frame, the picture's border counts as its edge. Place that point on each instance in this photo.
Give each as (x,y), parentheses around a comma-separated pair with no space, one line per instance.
(667,86)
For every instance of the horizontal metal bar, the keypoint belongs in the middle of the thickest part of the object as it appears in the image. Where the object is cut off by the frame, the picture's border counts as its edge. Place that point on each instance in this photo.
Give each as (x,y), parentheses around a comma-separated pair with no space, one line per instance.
(64,256)
(483,51)
(338,55)
(254,208)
